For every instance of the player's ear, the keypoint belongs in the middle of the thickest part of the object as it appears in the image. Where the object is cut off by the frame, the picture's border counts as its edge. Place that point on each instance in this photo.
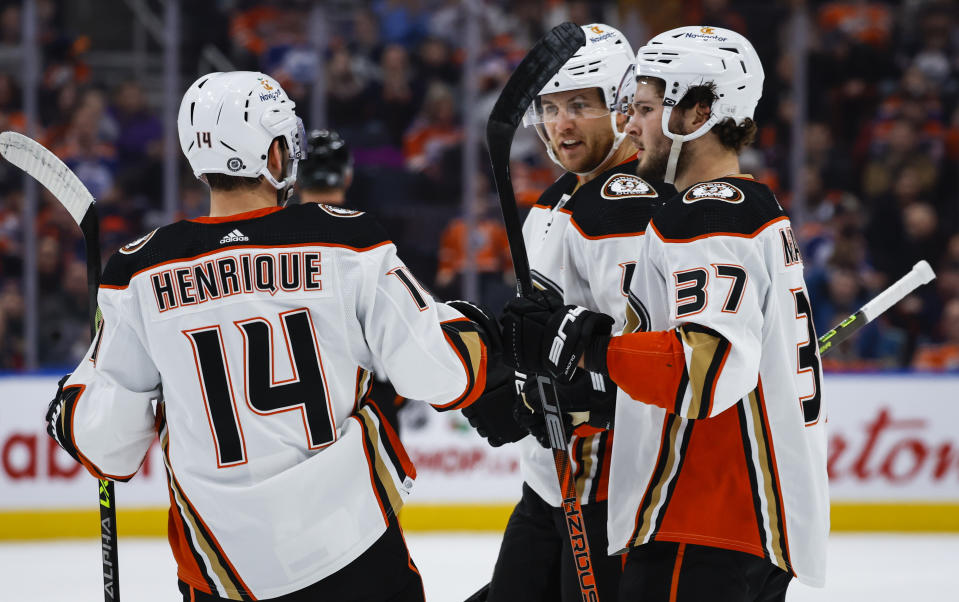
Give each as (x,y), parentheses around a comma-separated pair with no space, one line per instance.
(275,158)
(699,114)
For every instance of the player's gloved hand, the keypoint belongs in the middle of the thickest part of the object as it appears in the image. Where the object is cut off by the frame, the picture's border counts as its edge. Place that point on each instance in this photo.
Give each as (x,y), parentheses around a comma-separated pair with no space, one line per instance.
(553,343)
(492,415)
(524,329)
(497,371)
(528,412)
(486,323)
(586,410)
(55,426)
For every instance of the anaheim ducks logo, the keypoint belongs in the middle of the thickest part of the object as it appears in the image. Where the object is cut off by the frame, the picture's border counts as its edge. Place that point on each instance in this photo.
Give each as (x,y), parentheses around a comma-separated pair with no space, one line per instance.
(622,185)
(721,191)
(138,244)
(339,211)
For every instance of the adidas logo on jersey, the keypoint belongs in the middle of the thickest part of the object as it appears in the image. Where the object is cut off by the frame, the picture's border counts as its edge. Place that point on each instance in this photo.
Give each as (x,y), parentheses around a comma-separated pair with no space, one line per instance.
(235,236)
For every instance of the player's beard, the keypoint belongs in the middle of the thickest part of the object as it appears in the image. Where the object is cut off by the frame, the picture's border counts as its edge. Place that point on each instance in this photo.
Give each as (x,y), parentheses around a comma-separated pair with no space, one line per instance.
(653,161)
(652,164)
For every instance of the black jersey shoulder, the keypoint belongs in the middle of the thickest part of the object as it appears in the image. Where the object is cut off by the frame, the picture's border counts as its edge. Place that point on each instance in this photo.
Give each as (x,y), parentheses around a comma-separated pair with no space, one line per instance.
(732,205)
(565,184)
(617,202)
(307,224)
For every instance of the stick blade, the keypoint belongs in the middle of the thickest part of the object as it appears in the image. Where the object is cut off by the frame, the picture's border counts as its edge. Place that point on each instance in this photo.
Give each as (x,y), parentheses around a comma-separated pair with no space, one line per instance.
(534,71)
(33,158)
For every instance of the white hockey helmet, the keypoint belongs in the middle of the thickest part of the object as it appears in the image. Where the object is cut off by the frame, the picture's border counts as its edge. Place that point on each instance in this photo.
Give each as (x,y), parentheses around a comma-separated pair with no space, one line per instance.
(228,120)
(692,56)
(600,63)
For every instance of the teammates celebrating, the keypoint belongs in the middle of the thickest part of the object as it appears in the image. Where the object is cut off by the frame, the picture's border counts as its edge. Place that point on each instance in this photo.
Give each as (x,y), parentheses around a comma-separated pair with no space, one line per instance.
(679,314)
(718,482)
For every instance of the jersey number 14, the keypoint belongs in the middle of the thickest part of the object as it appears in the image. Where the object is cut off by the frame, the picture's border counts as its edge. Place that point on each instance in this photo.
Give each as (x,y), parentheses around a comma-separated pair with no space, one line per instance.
(306,392)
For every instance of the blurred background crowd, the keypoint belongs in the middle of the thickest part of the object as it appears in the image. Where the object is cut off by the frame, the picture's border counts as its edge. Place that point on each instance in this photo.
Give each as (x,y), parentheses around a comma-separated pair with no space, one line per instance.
(875,94)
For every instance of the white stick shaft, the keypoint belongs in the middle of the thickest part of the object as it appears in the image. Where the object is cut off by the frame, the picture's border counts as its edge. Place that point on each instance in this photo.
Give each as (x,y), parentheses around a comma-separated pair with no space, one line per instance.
(920,274)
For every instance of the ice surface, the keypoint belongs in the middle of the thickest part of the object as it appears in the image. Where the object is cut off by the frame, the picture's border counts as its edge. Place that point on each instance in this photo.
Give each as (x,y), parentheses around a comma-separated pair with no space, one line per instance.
(873,568)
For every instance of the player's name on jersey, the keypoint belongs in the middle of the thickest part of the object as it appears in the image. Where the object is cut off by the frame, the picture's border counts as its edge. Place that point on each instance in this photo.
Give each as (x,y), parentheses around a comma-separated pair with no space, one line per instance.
(220,277)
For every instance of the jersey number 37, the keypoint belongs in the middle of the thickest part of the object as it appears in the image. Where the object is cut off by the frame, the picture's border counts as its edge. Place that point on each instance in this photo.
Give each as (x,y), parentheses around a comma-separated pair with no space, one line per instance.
(692,298)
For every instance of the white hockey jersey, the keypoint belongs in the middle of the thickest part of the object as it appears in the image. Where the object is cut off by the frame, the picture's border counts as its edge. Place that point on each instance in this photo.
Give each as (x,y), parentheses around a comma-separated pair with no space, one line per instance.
(728,447)
(583,243)
(259,331)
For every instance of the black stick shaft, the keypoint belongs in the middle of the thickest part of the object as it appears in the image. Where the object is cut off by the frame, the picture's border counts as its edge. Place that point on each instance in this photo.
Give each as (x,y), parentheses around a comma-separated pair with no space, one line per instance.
(542,61)
(499,140)
(90,226)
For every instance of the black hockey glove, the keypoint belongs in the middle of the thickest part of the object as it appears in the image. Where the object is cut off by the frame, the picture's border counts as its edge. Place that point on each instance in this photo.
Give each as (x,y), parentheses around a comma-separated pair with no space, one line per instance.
(544,342)
(586,410)
(497,371)
(524,329)
(487,325)
(55,417)
(492,415)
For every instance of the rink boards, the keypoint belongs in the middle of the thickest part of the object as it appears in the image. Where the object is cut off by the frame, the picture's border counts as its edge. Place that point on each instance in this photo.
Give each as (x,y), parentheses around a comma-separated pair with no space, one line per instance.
(893,462)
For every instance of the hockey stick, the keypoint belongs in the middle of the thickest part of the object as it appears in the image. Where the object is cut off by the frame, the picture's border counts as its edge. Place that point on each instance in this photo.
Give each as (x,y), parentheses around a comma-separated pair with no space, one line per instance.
(50,171)
(533,72)
(920,274)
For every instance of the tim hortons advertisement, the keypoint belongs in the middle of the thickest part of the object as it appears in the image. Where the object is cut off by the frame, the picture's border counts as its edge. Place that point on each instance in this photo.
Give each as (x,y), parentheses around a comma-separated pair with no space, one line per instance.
(892,438)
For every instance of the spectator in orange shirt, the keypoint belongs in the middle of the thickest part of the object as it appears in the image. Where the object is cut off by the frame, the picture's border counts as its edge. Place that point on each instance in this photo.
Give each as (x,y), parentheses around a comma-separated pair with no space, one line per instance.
(434,132)
(490,255)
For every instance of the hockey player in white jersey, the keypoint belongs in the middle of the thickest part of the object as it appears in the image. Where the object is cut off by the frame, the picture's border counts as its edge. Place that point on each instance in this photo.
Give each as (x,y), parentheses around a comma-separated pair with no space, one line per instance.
(720,490)
(257,329)
(583,238)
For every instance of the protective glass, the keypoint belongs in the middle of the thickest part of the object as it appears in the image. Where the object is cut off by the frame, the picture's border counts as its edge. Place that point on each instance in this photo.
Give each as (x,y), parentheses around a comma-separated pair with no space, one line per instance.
(546,110)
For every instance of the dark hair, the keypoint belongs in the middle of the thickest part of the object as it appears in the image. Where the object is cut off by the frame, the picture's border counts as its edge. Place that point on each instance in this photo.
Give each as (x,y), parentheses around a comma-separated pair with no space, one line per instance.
(731,135)
(227,183)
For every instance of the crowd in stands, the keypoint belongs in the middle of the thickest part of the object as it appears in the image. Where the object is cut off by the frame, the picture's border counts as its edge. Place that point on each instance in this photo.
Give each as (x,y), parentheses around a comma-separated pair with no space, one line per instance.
(881,139)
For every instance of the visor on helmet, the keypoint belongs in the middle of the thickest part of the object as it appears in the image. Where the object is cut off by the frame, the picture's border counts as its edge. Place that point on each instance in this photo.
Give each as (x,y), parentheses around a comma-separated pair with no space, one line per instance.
(625,91)
(581,106)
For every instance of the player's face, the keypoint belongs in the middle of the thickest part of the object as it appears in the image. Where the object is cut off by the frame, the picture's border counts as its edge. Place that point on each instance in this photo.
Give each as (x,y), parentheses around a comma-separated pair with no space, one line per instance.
(578,128)
(645,129)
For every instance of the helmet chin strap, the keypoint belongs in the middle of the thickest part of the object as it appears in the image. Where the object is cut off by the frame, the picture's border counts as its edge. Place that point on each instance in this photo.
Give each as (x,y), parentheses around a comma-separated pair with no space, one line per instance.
(678,140)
